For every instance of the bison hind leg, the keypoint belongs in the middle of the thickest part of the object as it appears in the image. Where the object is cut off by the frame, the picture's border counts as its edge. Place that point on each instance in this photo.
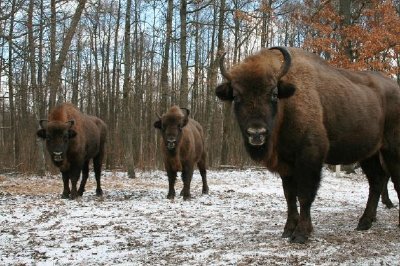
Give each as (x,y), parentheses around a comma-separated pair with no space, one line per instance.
(392,162)
(385,195)
(203,173)
(375,174)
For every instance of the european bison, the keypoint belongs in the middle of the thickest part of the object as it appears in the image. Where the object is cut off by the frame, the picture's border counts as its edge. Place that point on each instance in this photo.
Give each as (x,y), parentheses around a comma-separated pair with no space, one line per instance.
(296,112)
(72,139)
(182,145)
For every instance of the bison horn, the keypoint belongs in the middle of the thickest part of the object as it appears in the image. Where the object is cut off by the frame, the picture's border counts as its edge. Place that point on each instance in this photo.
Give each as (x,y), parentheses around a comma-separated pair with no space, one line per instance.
(158,115)
(287,60)
(224,73)
(71,123)
(43,123)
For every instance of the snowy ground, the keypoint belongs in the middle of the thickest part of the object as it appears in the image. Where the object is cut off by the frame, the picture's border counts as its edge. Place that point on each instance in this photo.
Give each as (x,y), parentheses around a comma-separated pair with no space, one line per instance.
(239,223)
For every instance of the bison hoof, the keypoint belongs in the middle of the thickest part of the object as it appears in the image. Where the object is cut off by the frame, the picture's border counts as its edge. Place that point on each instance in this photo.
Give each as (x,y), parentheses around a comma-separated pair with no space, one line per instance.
(364,224)
(287,233)
(187,197)
(388,204)
(99,192)
(298,238)
(80,192)
(205,191)
(65,195)
(73,196)
(170,196)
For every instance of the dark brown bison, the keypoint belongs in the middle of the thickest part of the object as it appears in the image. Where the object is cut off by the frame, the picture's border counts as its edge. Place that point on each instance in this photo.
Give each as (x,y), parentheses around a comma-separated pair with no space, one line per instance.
(182,145)
(72,139)
(296,112)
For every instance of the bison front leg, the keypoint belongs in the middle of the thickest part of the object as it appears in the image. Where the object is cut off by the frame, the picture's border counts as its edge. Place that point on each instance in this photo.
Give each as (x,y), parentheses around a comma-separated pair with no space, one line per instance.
(171,183)
(85,175)
(74,176)
(290,190)
(203,173)
(66,190)
(308,177)
(187,173)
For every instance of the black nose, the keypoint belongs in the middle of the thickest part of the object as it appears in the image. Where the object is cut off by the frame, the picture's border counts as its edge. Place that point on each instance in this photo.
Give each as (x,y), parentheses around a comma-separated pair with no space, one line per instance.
(57,156)
(257,136)
(171,143)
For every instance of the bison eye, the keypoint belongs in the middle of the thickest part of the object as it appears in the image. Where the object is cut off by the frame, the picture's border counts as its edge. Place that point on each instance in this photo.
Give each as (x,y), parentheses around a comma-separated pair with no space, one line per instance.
(236,99)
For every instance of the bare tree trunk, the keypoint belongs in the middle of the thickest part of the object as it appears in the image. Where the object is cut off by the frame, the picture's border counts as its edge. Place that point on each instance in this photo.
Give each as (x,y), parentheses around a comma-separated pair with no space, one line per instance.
(226,129)
(54,75)
(127,87)
(14,130)
(196,76)
(41,162)
(184,88)
(345,13)
(112,98)
(266,9)
(165,90)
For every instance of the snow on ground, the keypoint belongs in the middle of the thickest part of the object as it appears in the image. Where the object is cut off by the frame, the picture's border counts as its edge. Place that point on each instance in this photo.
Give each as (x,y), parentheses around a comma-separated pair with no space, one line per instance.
(239,223)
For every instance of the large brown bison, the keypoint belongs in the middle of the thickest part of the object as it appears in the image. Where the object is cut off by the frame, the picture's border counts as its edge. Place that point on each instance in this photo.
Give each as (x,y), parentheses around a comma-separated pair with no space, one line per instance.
(182,145)
(296,112)
(72,139)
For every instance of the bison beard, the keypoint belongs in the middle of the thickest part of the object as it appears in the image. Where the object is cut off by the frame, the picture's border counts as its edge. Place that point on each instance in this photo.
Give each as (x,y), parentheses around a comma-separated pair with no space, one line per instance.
(315,113)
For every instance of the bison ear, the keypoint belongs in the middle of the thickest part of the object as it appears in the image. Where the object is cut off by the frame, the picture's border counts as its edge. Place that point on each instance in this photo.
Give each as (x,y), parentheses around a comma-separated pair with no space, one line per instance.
(186,113)
(224,91)
(41,133)
(157,124)
(71,133)
(285,89)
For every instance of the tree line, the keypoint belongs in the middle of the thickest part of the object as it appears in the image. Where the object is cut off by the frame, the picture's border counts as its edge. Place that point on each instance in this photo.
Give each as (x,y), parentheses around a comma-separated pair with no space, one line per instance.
(128,60)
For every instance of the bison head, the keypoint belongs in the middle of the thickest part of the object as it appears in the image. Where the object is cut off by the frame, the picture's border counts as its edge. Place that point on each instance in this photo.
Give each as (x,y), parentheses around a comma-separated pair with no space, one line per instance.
(171,125)
(255,87)
(57,135)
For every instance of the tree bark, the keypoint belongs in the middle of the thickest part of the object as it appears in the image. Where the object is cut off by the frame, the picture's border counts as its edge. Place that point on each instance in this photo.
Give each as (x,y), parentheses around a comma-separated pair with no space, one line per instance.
(127,87)
(184,88)
(54,75)
(165,90)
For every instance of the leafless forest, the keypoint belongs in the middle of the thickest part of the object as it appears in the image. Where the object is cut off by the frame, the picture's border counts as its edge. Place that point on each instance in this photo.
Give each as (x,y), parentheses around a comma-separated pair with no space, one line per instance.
(125,61)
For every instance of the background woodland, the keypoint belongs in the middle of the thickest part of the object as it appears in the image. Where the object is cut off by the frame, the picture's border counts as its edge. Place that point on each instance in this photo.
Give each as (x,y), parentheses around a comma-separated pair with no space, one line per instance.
(127,60)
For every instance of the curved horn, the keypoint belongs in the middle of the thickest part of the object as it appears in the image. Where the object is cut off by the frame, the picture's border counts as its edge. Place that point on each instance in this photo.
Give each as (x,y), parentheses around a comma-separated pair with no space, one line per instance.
(287,60)
(158,115)
(224,73)
(43,123)
(70,123)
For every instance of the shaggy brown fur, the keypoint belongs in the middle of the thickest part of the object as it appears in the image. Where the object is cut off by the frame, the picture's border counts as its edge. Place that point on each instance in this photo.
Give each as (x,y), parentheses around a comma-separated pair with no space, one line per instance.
(72,139)
(294,122)
(182,144)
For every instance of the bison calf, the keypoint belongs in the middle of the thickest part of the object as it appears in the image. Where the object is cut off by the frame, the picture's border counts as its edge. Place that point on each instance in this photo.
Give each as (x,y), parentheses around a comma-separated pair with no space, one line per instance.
(182,145)
(72,139)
